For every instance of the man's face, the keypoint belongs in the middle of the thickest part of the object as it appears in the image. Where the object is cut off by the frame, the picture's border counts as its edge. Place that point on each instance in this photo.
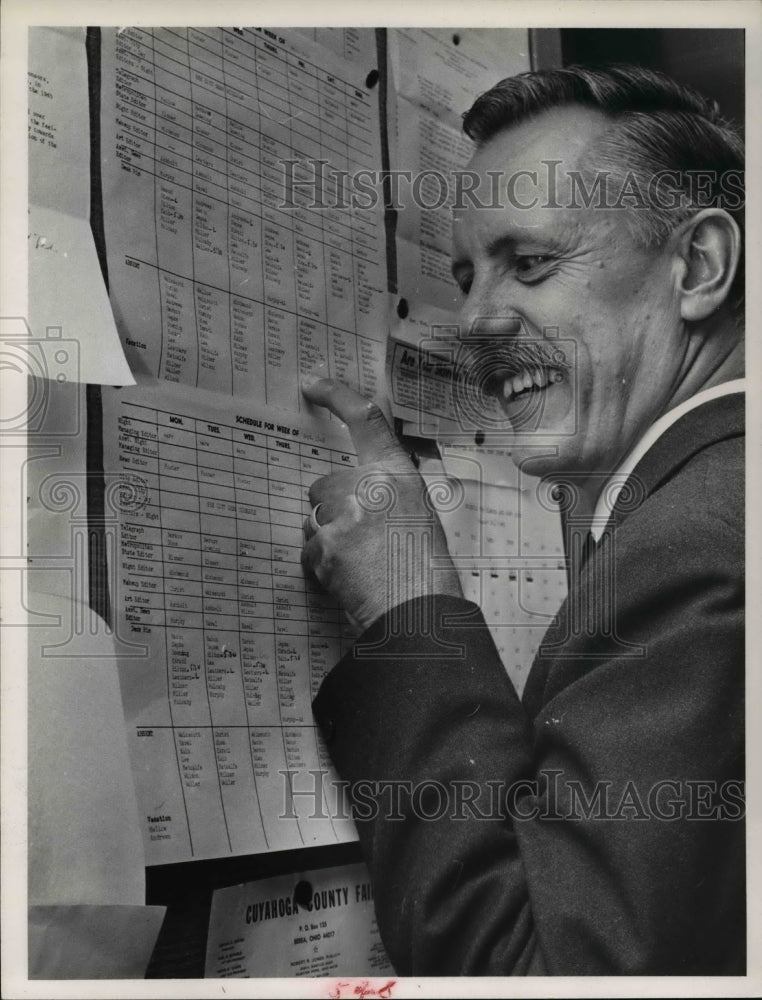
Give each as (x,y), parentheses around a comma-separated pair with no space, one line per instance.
(580,271)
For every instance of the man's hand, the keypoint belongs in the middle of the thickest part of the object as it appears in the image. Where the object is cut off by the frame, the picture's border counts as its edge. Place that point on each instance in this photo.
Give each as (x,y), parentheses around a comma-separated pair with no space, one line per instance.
(379,541)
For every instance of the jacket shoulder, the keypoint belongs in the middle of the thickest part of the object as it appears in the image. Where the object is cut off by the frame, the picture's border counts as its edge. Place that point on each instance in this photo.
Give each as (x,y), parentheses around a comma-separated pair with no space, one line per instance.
(706,491)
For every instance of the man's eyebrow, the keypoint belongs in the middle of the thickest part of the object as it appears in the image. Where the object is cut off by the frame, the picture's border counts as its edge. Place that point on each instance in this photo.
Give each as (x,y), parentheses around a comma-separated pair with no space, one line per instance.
(495,248)
(501,245)
(507,243)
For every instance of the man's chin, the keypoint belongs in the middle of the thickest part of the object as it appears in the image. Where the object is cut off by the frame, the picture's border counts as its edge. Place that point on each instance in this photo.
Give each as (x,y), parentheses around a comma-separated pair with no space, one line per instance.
(541,461)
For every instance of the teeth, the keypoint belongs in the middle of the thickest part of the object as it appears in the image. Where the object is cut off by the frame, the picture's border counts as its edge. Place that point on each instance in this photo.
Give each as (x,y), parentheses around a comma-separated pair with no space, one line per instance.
(539,377)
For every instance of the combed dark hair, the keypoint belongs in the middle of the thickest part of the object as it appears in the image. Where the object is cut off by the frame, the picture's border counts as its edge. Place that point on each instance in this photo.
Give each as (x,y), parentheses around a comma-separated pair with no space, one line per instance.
(659,127)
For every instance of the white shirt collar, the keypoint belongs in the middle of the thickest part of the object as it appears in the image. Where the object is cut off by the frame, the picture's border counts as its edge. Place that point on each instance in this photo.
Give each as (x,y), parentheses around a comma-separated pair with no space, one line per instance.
(611,491)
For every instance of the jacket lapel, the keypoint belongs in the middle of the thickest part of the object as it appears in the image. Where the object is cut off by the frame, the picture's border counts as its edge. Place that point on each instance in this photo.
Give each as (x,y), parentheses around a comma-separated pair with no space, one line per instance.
(709,423)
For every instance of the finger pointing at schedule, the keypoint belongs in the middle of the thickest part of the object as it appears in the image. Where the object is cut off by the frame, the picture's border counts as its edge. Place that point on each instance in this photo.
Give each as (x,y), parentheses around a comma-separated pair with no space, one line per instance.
(372,436)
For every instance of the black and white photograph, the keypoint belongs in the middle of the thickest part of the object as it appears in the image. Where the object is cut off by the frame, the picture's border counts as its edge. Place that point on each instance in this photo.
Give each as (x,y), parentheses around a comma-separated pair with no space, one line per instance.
(377,506)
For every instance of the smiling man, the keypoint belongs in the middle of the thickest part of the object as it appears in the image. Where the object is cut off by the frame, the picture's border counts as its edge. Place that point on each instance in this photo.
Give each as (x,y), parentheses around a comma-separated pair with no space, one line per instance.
(594,826)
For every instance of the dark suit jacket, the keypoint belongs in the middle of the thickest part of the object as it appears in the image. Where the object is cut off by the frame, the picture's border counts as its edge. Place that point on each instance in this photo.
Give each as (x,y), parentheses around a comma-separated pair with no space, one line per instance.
(619,844)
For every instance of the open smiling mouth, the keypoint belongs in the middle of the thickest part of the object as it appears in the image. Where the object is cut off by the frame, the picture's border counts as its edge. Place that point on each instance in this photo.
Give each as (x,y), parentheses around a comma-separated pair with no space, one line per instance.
(529,380)
(507,378)
(513,386)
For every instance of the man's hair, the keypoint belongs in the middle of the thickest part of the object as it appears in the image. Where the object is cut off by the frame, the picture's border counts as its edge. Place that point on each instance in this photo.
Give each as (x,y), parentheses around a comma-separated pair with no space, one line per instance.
(659,129)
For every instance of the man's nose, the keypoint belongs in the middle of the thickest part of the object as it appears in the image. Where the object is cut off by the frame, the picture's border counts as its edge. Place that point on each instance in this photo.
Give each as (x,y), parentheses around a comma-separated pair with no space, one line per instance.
(485,314)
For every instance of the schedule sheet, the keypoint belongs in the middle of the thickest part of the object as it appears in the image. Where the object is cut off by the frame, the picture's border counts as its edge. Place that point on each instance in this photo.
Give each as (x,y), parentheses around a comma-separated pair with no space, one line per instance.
(235,259)
(223,641)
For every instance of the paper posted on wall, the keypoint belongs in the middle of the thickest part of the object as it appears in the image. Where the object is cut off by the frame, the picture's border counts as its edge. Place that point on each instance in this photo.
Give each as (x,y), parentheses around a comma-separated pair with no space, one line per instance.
(233,267)
(60,245)
(222,641)
(315,923)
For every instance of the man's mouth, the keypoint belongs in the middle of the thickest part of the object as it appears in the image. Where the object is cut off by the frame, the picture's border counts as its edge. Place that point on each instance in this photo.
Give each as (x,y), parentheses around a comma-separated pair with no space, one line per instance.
(511,386)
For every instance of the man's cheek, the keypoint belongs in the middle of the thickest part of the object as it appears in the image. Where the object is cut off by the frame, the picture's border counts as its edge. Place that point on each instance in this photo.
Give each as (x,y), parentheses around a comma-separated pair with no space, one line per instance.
(587,388)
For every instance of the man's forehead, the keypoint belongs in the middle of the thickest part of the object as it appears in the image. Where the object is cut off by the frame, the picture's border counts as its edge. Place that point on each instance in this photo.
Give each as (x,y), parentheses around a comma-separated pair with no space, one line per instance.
(523,169)
(562,135)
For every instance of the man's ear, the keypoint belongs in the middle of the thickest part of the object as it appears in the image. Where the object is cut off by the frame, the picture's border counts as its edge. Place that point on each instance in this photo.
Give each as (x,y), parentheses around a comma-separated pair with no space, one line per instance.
(707,251)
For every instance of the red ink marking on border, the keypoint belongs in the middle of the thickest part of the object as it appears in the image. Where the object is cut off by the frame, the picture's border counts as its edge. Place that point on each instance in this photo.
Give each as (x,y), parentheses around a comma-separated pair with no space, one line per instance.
(363,989)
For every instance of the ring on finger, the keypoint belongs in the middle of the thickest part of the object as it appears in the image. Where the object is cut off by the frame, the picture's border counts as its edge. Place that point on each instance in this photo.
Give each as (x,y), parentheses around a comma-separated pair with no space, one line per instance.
(314,523)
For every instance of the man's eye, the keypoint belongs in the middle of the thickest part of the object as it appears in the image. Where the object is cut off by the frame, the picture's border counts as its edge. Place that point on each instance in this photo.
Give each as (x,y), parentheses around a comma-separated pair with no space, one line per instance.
(531,265)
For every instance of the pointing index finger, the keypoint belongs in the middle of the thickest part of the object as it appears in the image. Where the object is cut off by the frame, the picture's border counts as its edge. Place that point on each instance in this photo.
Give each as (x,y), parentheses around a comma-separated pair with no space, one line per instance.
(372,436)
